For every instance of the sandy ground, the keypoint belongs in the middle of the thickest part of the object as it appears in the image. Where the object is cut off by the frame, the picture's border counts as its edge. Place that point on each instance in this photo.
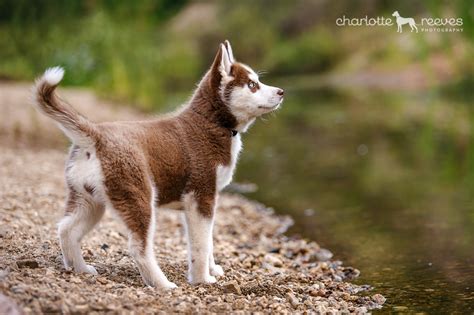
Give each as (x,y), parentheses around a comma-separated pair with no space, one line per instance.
(264,269)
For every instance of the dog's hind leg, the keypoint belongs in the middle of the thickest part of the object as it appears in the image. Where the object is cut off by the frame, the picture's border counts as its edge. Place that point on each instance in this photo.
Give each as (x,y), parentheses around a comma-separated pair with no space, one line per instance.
(82,214)
(134,203)
(141,249)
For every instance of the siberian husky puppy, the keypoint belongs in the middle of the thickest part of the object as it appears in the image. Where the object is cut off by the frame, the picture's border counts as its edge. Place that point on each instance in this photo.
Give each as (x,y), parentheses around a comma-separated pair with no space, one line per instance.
(133,168)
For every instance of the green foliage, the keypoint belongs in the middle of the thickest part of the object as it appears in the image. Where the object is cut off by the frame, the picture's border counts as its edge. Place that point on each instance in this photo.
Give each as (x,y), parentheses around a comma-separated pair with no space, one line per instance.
(119,55)
(312,52)
(132,51)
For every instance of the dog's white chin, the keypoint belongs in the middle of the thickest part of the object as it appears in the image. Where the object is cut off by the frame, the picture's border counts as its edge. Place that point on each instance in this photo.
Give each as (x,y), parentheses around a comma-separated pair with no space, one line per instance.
(268,109)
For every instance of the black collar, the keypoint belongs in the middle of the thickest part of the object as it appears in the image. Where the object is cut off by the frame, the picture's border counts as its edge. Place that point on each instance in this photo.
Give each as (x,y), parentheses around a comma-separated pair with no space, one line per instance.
(233,132)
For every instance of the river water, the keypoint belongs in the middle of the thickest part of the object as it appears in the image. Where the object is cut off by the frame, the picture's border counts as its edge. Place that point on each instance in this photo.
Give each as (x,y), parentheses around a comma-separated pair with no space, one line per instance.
(384,180)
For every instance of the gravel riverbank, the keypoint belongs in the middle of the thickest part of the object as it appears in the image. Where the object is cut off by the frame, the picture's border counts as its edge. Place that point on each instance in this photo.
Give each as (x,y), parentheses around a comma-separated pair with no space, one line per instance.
(265,270)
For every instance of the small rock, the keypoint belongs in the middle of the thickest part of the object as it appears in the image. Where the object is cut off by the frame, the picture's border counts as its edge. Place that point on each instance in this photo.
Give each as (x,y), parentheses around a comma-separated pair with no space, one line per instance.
(400,308)
(378,298)
(17,289)
(274,250)
(320,292)
(84,308)
(239,304)
(75,280)
(321,255)
(102,280)
(292,299)
(201,290)
(351,273)
(104,247)
(27,264)
(273,260)
(232,287)
(229,298)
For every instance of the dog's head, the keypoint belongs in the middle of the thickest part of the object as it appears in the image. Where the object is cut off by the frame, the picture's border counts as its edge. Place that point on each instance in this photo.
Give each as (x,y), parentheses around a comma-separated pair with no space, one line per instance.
(240,89)
(395,13)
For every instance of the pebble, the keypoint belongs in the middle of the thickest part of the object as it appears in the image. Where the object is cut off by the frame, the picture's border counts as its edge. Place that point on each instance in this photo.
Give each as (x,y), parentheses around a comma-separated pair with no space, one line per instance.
(292,299)
(273,260)
(83,308)
(320,292)
(239,304)
(322,255)
(232,287)
(102,280)
(378,298)
(75,280)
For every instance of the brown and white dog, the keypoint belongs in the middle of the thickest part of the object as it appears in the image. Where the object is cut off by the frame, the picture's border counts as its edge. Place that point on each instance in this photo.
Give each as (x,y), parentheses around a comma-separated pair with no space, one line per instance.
(135,167)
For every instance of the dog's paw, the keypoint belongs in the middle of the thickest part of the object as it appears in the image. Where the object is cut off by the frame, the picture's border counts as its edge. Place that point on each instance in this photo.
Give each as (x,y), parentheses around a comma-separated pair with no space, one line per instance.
(216,271)
(87,269)
(208,279)
(168,286)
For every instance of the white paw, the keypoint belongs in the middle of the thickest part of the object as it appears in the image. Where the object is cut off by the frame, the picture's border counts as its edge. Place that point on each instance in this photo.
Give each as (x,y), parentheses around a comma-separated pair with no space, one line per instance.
(168,286)
(216,271)
(87,269)
(206,279)
(210,279)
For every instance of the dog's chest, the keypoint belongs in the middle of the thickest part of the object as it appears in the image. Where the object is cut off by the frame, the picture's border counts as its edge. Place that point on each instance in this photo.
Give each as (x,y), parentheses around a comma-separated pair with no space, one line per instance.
(224,173)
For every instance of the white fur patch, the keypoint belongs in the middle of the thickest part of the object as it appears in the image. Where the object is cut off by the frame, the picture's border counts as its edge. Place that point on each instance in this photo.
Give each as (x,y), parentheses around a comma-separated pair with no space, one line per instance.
(224,174)
(199,234)
(84,169)
(54,75)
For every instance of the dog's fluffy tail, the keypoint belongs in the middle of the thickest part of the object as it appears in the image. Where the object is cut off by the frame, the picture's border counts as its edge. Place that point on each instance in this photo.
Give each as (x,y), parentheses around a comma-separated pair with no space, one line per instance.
(78,128)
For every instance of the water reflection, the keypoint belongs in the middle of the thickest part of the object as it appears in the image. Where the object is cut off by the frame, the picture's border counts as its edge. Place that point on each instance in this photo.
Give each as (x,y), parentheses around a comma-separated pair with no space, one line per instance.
(384,180)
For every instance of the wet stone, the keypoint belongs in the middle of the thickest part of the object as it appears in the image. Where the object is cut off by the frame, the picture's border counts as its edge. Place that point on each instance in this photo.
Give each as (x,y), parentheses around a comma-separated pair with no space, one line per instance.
(322,255)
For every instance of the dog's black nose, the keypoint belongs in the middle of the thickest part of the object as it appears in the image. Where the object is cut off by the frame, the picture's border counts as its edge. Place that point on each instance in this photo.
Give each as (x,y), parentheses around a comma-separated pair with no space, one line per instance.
(280,92)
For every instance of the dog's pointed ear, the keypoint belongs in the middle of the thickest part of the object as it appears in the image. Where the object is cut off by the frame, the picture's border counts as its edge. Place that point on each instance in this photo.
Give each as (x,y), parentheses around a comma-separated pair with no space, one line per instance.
(230,54)
(221,65)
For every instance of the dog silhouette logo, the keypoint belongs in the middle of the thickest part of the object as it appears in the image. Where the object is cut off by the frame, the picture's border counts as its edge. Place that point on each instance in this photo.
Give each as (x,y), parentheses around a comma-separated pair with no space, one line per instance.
(402,21)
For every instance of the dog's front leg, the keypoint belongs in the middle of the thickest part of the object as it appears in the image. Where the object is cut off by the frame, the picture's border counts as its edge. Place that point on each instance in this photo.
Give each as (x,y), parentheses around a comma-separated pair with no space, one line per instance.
(199,213)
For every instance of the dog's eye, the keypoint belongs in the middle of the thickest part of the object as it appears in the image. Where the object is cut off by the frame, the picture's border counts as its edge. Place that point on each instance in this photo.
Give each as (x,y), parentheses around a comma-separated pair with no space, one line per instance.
(252,85)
